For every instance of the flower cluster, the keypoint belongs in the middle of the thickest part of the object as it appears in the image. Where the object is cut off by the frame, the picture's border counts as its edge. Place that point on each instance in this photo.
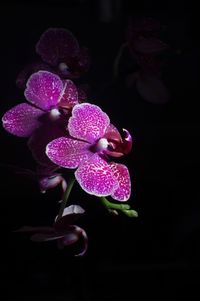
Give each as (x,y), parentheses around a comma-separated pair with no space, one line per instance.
(66,133)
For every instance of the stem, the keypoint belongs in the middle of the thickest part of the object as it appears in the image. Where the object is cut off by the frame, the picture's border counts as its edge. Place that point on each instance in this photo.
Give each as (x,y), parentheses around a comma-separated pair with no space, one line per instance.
(110,205)
(117,60)
(66,196)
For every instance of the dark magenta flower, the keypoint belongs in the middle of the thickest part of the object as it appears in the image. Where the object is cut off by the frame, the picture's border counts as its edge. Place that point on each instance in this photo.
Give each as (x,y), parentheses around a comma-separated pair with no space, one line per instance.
(60,53)
(63,230)
(60,49)
(47,94)
(92,138)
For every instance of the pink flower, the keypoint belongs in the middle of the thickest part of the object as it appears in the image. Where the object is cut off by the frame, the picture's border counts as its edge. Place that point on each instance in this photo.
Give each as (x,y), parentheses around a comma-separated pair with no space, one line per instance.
(92,138)
(63,230)
(46,94)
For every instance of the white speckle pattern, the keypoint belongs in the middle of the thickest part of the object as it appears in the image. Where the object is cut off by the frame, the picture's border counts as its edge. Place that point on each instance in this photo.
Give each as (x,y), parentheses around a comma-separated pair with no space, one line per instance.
(69,95)
(22,120)
(88,122)
(67,152)
(43,89)
(95,177)
(121,173)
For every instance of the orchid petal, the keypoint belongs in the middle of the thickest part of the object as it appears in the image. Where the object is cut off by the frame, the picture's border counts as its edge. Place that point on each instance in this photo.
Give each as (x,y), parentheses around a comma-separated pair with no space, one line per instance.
(56,45)
(43,89)
(67,152)
(95,177)
(69,96)
(88,122)
(121,173)
(22,120)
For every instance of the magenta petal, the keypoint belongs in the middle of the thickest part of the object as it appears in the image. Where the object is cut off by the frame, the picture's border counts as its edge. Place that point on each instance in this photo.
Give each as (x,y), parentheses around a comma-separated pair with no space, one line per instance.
(121,173)
(95,176)
(50,182)
(56,45)
(22,120)
(69,96)
(88,122)
(67,152)
(70,215)
(43,89)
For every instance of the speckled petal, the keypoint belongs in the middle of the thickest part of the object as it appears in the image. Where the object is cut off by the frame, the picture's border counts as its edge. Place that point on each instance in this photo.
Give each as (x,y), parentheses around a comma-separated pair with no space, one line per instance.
(95,176)
(121,173)
(67,152)
(57,44)
(22,120)
(69,96)
(88,122)
(43,89)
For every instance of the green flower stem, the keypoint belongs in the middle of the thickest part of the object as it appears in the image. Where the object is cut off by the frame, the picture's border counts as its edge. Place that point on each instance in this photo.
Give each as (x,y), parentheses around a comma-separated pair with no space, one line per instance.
(117,60)
(125,208)
(66,195)
(110,205)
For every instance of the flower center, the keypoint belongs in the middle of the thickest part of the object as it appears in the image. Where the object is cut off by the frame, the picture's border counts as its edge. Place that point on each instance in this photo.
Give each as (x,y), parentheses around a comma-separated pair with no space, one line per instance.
(54,114)
(102,144)
(63,67)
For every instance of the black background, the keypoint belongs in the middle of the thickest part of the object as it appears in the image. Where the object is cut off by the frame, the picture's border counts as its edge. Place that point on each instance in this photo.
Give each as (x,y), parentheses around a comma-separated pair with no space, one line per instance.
(153,256)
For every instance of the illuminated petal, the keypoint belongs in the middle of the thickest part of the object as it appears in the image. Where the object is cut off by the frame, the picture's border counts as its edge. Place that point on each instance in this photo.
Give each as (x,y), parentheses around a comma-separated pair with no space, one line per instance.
(67,152)
(43,89)
(88,122)
(22,120)
(121,173)
(69,97)
(95,176)
(56,45)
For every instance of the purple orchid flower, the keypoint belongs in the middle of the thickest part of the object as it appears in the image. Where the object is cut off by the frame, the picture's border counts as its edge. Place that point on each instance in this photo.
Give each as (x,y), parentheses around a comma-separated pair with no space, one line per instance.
(47,94)
(60,53)
(44,117)
(92,138)
(63,230)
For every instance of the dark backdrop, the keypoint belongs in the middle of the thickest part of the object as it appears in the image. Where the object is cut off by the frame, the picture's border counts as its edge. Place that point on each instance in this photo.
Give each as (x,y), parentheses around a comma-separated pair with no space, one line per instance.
(155,255)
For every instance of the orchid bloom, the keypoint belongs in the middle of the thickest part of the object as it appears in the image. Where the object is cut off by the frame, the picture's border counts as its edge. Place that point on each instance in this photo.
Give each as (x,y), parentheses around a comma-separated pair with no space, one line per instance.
(92,139)
(63,230)
(46,94)
(60,53)
(60,49)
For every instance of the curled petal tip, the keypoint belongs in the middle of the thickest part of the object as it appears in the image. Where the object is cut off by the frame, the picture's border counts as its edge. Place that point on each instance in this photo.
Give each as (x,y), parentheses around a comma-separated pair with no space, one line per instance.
(127,142)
